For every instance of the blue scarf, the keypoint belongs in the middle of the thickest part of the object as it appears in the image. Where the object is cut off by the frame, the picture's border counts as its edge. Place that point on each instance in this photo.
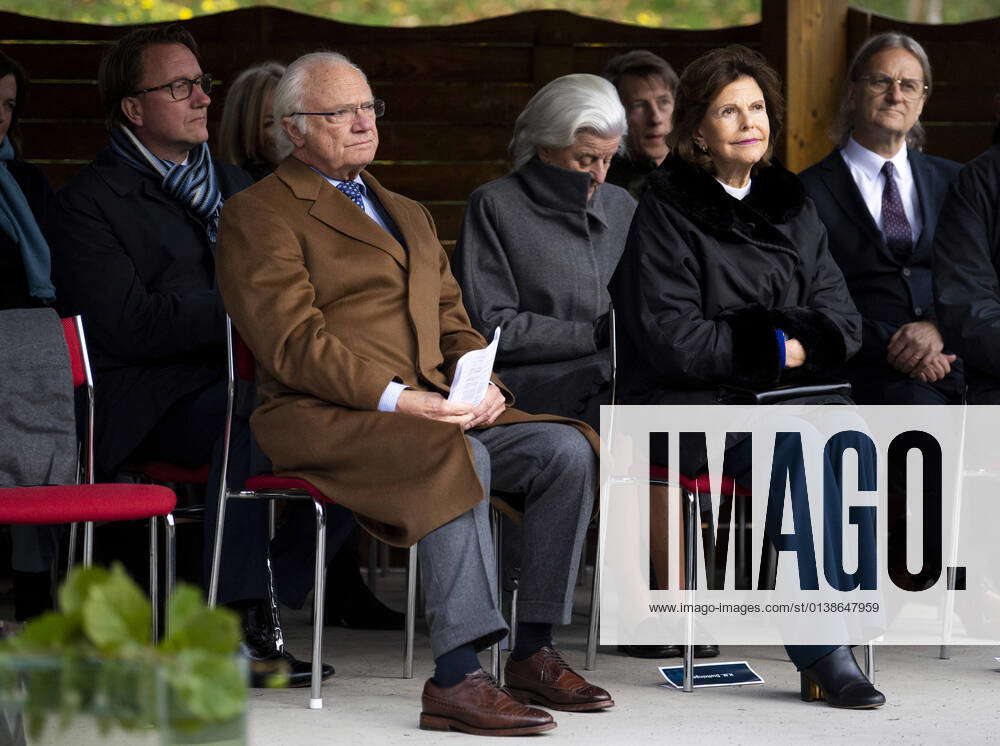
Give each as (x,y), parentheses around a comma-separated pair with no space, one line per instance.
(193,184)
(17,220)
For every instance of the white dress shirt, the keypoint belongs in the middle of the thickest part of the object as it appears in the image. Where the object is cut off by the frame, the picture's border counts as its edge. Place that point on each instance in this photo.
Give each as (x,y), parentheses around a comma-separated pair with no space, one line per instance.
(736,192)
(866,170)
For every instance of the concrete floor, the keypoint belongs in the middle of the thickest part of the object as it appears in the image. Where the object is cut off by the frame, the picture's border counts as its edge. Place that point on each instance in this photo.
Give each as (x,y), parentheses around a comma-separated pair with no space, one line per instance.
(930,701)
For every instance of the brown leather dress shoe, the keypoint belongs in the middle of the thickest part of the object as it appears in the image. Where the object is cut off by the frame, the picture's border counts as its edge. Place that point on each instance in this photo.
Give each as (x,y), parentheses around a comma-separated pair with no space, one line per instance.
(480,706)
(545,679)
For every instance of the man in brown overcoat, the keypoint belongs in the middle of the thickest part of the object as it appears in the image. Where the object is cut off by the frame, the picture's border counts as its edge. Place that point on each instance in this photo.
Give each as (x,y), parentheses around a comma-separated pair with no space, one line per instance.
(345,296)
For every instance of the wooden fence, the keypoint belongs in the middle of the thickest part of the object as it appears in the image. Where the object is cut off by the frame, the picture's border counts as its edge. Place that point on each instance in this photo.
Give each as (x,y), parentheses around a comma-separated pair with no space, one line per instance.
(453,92)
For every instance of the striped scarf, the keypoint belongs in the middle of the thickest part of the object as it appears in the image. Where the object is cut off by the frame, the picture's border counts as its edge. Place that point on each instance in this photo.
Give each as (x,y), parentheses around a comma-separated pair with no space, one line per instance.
(193,184)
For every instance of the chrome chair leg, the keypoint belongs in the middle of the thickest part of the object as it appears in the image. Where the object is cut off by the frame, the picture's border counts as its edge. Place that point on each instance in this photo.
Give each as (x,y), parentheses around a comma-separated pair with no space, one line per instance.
(945,652)
(88,544)
(497,549)
(319,593)
(220,525)
(71,557)
(690,518)
(170,567)
(870,662)
(411,612)
(154,591)
(512,641)
(595,589)
(272,519)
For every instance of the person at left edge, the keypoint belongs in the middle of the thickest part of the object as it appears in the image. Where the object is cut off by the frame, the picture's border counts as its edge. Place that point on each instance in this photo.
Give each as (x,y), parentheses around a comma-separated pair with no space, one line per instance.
(132,241)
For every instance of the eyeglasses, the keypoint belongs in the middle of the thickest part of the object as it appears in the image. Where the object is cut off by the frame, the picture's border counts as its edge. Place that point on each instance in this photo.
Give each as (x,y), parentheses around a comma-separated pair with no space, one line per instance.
(911,88)
(181,88)
(343,114)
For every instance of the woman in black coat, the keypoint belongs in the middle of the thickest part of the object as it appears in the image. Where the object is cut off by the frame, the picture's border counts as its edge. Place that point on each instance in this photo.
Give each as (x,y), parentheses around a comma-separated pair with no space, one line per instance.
(726,279)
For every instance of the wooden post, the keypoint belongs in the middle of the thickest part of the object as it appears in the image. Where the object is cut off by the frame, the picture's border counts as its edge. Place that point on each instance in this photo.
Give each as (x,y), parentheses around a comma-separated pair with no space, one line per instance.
(806,41)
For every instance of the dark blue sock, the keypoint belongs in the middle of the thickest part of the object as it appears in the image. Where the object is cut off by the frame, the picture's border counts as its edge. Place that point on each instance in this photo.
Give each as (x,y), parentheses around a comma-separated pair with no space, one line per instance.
(450,668)
(531,637)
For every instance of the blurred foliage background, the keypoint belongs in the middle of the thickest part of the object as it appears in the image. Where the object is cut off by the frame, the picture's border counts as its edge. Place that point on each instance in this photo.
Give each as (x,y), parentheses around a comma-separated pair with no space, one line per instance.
(661,13)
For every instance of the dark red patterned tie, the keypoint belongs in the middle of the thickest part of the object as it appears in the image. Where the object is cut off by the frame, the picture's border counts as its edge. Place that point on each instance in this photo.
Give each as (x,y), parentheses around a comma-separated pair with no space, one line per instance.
(895,226)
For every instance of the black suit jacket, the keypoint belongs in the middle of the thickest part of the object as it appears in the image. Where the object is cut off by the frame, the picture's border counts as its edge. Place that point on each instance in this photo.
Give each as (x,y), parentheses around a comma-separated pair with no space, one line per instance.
(887,291)
(140,269)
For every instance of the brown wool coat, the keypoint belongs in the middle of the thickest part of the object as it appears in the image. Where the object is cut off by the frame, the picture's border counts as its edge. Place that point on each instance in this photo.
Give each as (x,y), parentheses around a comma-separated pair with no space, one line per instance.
(334,308)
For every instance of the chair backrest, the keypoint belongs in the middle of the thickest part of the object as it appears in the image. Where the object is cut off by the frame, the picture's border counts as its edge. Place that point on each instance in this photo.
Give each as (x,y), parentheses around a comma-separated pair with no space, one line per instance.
(79,362)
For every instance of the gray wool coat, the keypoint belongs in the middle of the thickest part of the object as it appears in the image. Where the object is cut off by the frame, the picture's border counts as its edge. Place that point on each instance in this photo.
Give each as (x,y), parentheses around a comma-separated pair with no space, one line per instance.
(534,257)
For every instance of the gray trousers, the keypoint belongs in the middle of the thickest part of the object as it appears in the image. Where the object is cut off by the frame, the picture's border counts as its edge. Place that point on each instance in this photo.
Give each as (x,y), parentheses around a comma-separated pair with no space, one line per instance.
(553,466)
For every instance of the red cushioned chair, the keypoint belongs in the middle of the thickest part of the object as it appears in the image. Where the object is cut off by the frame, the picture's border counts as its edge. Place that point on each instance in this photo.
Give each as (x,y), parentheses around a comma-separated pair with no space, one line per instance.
(241,366)
(89,503)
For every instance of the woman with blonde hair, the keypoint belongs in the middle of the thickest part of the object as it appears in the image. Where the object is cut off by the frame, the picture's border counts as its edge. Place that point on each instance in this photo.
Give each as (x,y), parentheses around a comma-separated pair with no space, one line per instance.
(246,136)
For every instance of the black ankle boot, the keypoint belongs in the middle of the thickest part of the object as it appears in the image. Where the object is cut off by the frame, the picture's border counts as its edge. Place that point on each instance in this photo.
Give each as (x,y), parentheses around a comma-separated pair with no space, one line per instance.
(264,644)
(350,602)
(837,678)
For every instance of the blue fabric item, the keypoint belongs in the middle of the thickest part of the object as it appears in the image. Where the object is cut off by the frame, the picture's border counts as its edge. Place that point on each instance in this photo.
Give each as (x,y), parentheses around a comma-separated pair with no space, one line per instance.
(354,190)
(451,668)
(17,220)
(780,335)
(193,184)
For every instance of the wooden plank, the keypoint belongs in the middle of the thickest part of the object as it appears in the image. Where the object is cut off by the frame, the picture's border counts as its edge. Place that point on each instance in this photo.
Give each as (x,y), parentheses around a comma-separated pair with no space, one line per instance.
(65,139)
(966,102)
(592,58)
(959,141)
(986,31)
(437,181)
(418,61)
(447,218)
(806,40)
(429,102)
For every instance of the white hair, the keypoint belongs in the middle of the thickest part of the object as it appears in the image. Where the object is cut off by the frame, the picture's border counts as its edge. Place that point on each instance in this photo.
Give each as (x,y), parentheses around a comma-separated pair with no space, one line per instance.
(564,108)
(290,93)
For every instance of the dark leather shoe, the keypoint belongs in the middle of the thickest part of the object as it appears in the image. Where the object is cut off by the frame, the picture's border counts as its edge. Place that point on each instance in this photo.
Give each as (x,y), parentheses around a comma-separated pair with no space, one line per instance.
(280,670)
(837,678)
(263,644)
(544,678)
(706,651)
(651,651)
(480,706)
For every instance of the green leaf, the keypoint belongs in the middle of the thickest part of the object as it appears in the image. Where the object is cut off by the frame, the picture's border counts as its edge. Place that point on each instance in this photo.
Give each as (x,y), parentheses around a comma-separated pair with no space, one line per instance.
(77,587)
(194,626)
(50,632)
(205,687)
(116,613)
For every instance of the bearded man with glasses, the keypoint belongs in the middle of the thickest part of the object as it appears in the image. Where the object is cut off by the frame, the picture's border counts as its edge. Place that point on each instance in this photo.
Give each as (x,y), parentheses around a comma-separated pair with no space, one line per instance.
(133,237)
(879,197)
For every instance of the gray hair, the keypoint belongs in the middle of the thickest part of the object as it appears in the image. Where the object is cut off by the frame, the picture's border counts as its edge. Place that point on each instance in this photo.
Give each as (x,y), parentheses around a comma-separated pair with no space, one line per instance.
(564,108)
(290,93)
(843,122)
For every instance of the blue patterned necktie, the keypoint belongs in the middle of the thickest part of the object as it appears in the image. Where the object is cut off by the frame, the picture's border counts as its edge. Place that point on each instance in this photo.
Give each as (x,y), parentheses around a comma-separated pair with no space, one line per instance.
(354,190)
(895,226)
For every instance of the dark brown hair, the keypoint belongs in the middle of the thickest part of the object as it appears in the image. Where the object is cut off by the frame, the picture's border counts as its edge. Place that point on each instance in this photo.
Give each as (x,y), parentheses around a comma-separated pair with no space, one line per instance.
(121,68)
(642,64)
(701,82)
(11,67)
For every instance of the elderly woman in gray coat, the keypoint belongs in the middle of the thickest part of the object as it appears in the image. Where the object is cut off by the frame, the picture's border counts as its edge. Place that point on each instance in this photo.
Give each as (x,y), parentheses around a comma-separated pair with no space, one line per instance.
(538,247)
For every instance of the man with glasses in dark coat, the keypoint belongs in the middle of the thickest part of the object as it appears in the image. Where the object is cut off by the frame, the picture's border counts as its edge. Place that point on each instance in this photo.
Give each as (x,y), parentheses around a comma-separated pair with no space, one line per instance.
(133,237)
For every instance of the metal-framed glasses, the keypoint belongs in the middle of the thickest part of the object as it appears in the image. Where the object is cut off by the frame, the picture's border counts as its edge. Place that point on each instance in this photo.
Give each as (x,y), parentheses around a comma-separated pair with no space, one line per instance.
(181,88)
(911,88)
(347,113)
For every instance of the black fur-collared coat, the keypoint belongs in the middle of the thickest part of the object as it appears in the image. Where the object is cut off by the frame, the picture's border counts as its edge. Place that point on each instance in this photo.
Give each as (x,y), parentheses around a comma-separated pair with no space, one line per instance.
(706,279)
